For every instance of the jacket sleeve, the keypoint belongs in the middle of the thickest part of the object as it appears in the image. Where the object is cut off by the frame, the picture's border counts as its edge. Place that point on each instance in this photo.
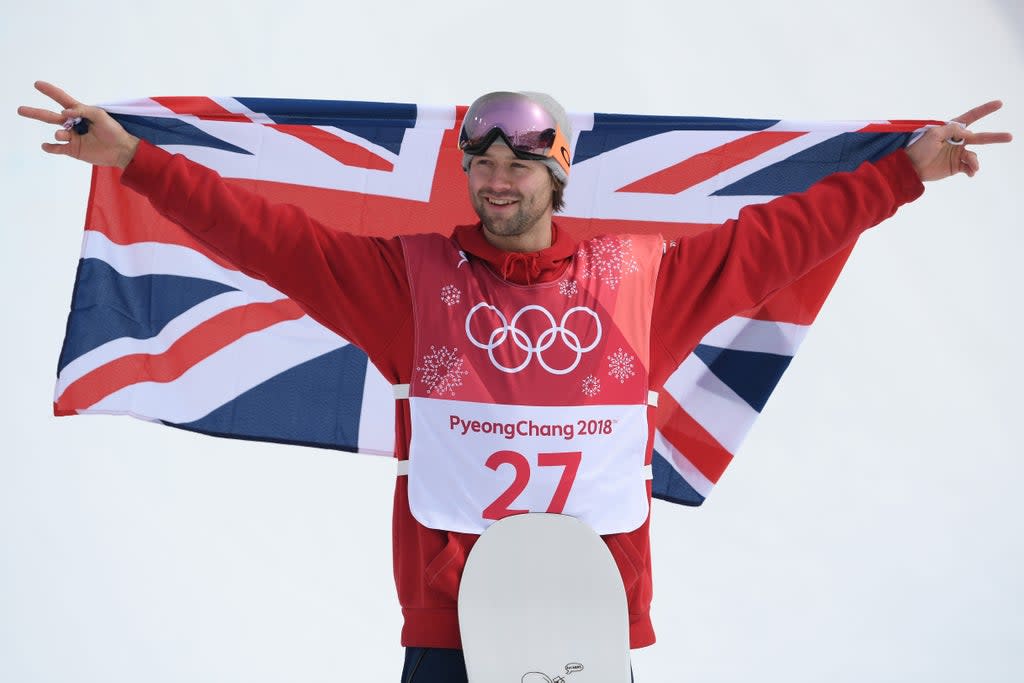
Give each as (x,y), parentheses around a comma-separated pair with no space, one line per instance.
(718,273)
(354,285)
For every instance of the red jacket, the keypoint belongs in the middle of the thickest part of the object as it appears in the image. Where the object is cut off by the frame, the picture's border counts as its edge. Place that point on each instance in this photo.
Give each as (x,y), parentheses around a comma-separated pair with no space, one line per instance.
(357,287)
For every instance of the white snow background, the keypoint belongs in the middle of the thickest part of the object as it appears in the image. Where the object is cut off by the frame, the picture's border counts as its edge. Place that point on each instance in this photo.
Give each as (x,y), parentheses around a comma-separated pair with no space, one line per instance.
(872,528)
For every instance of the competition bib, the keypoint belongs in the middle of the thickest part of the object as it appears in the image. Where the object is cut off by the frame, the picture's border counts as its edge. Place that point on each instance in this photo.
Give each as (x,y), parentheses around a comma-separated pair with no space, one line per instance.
(530,399)
(476,463)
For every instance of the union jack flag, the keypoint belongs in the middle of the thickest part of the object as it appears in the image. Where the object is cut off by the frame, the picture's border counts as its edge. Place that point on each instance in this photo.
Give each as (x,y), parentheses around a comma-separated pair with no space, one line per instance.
(163,329)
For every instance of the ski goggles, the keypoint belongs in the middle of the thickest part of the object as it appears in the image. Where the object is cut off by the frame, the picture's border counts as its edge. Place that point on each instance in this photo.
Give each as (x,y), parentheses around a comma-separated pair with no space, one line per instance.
(525,126)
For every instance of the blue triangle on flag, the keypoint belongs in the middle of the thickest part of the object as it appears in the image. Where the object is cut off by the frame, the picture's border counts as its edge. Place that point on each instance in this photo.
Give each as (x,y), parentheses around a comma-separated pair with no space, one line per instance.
(297,406)
(107,305)
(611,131)
(843,152)
(383,124)
(163,130)
(669,485)
(751,374)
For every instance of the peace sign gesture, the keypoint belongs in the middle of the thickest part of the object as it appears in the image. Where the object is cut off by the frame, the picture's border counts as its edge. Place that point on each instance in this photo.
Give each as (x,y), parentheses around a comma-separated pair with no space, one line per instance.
(942,150)
(103,143)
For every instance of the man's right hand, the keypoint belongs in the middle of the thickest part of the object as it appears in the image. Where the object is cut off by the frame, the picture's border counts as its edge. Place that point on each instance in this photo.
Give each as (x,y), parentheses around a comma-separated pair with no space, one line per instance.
(105,143)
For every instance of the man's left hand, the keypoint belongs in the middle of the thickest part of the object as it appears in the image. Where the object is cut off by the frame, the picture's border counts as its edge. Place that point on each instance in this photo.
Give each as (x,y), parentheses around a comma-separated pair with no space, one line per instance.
(942,150)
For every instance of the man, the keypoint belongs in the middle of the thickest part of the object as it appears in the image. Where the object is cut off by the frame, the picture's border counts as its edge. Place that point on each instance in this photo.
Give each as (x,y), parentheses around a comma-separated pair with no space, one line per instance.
(514,347)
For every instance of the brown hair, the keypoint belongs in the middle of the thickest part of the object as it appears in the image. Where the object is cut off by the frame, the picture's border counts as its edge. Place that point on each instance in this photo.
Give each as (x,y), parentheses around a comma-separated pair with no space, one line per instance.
(557,193)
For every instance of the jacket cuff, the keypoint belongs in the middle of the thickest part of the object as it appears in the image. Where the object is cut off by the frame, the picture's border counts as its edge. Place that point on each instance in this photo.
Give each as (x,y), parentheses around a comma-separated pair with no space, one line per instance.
(899,172)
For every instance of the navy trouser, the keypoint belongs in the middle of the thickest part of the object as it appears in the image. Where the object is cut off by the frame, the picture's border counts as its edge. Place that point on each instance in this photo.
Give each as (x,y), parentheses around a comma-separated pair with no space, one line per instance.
(434,665)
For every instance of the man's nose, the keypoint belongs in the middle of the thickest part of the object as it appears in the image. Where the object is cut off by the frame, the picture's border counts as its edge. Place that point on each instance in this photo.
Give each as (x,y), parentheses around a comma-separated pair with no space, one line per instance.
(500,178)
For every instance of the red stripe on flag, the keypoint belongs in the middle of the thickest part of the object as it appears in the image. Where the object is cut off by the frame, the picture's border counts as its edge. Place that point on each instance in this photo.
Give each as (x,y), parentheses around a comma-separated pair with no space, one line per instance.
(691,439)
(201,107)
(905,126)
(197,344)
(337,148)
(705,165)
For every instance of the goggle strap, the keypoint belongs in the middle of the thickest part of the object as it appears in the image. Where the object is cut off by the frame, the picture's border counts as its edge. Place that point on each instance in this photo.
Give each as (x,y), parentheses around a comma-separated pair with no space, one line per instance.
(559,150)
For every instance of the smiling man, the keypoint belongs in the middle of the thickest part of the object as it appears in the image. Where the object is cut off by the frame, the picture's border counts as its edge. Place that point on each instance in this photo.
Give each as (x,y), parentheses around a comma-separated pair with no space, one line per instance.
(510,321)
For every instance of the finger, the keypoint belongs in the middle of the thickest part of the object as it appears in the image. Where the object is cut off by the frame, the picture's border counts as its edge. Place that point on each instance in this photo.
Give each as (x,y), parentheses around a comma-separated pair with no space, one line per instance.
(56,94)
(53,148)
(986,138)
(981,111)
(43,115)
(969,163)
(62,135)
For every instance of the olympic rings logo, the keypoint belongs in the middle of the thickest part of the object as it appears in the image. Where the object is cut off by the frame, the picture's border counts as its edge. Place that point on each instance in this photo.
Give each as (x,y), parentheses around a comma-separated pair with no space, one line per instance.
(544,342)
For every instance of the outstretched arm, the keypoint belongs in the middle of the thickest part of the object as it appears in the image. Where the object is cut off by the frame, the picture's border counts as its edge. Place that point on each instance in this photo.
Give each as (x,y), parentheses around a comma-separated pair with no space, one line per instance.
(724,271)
(354,285)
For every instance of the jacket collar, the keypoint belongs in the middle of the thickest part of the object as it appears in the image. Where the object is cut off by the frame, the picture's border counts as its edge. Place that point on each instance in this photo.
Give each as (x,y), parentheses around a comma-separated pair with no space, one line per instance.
(521,268)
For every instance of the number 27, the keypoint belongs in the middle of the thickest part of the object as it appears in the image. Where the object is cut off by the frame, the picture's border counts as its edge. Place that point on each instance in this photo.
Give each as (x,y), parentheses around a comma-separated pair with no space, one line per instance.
(569,462)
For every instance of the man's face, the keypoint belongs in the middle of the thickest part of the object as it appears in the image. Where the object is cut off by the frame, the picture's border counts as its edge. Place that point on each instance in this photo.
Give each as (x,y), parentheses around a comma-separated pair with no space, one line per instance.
(511,196)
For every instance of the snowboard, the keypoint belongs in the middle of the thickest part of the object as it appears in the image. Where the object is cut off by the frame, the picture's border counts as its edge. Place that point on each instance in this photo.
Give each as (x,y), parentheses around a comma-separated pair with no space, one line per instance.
(541,601)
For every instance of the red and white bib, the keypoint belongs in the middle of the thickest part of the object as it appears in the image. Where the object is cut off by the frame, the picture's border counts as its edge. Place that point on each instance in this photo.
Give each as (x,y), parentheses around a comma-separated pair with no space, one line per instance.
(531,398)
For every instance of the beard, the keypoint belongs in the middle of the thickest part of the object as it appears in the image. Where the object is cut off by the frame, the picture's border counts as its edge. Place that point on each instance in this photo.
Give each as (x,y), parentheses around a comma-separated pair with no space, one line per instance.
(528,211)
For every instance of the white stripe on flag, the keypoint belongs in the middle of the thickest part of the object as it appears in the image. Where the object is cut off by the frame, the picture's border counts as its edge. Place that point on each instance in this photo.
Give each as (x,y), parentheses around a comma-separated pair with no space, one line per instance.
(711,402)
(155,258)
(224,375)
(172,331)
(140,107)
(376,415)
(762,336)
(835,127)
(236,107)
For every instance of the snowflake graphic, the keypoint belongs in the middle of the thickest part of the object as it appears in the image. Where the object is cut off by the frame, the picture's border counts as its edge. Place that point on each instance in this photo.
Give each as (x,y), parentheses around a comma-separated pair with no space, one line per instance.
(620,365)
(610,259)
(442,370)
(450,295)
(591,386)
(568,288)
